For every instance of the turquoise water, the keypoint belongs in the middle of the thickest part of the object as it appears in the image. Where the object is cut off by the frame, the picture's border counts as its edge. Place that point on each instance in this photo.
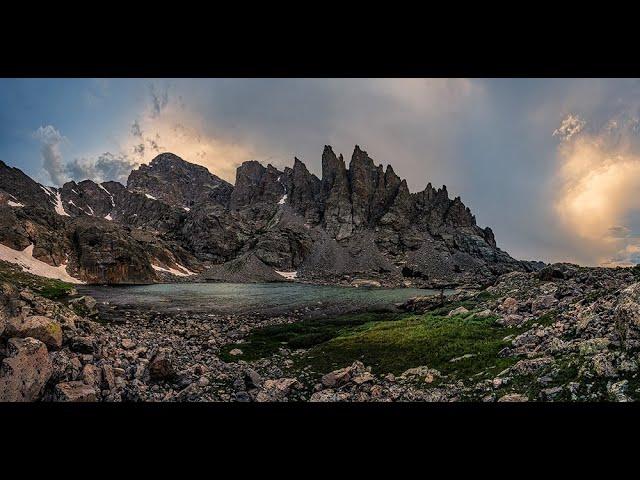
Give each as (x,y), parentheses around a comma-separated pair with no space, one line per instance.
(247,298)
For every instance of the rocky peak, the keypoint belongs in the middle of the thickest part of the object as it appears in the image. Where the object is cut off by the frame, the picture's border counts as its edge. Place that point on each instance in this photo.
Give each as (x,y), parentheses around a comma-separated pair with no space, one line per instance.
(336,194)
(178,183)
(258,186)
(304,194)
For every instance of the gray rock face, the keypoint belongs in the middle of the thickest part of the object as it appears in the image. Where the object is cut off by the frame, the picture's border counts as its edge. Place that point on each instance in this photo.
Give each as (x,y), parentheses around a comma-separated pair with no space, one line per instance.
(357,223)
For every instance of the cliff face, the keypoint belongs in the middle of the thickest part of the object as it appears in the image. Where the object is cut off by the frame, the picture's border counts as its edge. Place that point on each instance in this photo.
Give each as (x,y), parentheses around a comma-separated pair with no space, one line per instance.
(176,218)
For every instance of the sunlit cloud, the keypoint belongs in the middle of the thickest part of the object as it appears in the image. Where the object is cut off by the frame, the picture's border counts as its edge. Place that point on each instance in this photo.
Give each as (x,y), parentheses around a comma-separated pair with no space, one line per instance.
(598,187)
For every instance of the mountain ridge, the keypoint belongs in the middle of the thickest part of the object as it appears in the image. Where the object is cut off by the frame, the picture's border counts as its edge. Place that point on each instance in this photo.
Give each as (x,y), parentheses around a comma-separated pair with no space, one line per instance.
(173,215)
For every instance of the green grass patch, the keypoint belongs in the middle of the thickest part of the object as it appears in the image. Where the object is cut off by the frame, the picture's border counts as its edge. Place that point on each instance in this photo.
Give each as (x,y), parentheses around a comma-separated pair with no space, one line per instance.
(417,340)
(305,334)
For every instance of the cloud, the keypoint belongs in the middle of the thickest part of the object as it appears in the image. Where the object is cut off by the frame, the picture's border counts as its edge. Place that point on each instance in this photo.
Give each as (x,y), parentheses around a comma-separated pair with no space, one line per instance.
(107,166)
(135,129)
(159,99)
(570,126)
(52,160)
(598,185)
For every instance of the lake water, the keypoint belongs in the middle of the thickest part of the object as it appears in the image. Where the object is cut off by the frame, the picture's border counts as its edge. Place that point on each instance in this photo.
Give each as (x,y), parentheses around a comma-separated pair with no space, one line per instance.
(267,298)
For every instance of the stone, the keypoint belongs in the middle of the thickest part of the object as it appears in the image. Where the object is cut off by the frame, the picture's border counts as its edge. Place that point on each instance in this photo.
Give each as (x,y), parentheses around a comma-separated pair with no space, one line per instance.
(161,366)
(25,370)
(509,305)
(513,397)
(92,375)
(235,352)
(81,344)
(128,344)
(458,311)
(39,327)
(74,391)
(108,378)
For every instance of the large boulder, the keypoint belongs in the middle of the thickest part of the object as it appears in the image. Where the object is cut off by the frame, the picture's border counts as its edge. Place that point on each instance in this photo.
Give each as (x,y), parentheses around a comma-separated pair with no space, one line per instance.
(25,371)
(74,391)
(39,327)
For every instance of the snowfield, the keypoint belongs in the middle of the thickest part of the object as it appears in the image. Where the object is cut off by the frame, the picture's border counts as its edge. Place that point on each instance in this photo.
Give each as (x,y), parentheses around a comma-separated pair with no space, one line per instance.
(32,265)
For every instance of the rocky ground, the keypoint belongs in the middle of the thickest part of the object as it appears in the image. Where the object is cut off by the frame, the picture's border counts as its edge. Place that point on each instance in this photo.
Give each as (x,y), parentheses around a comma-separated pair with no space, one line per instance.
(565,333)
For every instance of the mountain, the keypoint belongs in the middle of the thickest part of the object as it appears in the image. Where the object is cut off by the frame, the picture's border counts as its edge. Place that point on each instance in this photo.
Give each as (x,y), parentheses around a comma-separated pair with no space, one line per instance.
(176,220)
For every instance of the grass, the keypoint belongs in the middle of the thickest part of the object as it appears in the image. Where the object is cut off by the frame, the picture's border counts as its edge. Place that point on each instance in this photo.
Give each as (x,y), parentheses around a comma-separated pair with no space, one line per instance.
(431,340)
(305,334)
(389,343)
(49,288)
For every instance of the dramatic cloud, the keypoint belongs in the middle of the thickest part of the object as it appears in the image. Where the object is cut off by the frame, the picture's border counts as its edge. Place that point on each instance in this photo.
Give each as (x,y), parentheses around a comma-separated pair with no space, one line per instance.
(52,160)
(106,167)
(598,189)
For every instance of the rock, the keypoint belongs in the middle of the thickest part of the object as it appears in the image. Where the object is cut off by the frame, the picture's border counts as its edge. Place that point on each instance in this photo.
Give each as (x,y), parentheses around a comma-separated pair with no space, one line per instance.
(277,390)
(543,303)
(128,344)
(235,352)
(482,314)
(41,328)
(341,376)
(618,391)
(509,305)
(530,366)
(252,379)
(81,344)
(74,392)
(603,366)
(458,311)
(92,376)
(513,397)
(627,315)
(364,378)
(511,320)
(108,378)
(427,374)
(25,370)
(161,366)
(84,305)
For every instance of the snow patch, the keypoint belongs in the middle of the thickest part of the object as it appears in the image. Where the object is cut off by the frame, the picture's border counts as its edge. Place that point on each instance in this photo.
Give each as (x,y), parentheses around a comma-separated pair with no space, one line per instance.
(113,204)
(32,265)
(15,204)
(46,190)
(150,196)
(59,207)
(173,271)
(283,199)
(288,275)
(187,209)
(108,217)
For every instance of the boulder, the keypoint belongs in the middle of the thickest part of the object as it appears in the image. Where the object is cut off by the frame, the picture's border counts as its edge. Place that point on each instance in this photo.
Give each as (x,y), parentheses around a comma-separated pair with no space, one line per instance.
(74,391)
(39,327)
(82,345)
(513,397)
(277,390)
(161,366)
(509,305)
(25,371)
(343,375)
(458,311)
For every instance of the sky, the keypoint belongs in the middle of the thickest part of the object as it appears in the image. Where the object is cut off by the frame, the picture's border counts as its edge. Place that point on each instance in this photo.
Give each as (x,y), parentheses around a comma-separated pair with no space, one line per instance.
(551,165)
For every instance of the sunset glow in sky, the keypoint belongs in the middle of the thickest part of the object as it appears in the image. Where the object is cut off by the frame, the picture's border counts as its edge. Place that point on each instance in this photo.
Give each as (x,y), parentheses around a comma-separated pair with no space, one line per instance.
(552,165)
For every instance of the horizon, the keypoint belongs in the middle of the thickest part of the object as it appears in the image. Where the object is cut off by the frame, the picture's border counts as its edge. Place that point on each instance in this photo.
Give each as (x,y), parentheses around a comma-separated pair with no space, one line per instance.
(561,153)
